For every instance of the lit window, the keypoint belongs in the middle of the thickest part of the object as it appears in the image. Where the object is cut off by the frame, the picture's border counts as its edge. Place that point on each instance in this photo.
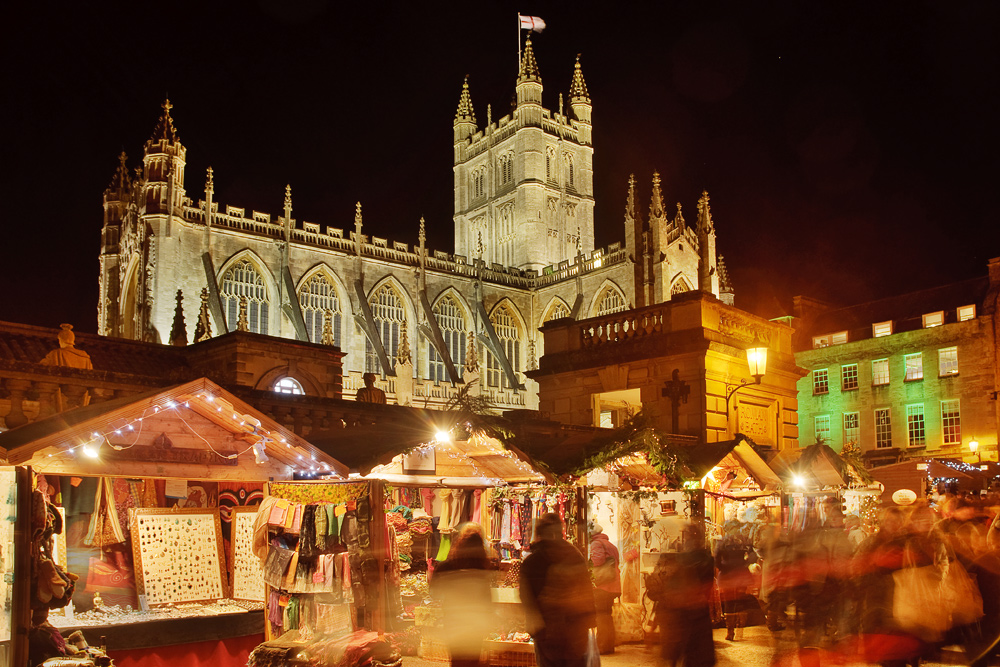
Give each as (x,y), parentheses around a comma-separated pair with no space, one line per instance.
(880,372)
(822,424)
(505,325)
(288,386)
(914,364)
(934,319)
(951,422)
(966,313)
(849,376)
(838,338)
(243,280)
(851,428)
(915,425)
(387,311)
(820,341)
(557,311)
(611,301)
(883,428)
(450,320)
(821,381)
(882,329)
(948,361)
(318,300)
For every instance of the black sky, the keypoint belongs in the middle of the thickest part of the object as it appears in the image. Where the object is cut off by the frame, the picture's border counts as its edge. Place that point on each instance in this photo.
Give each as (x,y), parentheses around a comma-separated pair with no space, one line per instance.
(849,148)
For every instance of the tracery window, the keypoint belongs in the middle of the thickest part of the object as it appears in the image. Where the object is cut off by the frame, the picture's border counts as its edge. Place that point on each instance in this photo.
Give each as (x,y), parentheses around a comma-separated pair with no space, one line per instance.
(611,302)
(506,168)
(505,326)
(450,320)
(388,313)
(570,169)
(558,310)
(287,385)
(318,299)
(242,279)
(679,287)
(550,156)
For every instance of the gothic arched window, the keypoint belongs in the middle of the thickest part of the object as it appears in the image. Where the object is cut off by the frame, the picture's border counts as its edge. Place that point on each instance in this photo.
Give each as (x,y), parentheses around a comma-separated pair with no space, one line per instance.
(451,321)
(318,300)
(507,330)
(387,310)
(550,156)
(680,286)
(242,279)
(287,385)
(569,170)
(611,301)
(558,310)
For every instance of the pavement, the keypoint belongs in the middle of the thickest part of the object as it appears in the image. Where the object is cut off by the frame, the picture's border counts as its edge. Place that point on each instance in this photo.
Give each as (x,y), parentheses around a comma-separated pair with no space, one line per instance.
(756,648)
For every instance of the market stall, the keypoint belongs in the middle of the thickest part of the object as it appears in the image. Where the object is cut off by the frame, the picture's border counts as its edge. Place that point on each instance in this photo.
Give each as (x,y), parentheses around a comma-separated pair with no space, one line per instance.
(153,492)
(412,503)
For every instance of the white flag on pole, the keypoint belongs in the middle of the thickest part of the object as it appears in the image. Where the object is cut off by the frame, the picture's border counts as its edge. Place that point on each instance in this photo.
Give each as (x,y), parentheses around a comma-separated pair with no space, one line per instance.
(531,23)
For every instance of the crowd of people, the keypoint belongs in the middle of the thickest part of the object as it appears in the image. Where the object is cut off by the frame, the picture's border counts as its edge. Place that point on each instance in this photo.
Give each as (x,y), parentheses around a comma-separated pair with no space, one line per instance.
(828,591)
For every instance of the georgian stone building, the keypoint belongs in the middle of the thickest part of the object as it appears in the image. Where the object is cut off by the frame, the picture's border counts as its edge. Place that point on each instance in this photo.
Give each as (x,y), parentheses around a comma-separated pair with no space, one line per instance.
(425,320)
(909,376)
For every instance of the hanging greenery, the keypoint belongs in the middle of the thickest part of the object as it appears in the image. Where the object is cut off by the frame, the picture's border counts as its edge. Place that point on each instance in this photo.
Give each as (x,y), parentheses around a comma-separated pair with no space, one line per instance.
(637,434)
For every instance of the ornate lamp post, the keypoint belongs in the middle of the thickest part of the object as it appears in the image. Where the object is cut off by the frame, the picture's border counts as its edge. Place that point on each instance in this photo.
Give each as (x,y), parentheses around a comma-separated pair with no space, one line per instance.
(974,448)
(757,364)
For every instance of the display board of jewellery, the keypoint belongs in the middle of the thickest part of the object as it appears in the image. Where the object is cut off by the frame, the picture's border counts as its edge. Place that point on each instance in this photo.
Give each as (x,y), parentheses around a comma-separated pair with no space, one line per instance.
(248,569)
(177,555)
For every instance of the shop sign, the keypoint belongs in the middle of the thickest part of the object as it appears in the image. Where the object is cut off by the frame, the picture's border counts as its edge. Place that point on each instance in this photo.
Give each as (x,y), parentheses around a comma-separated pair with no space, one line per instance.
(904,497)
(419,461)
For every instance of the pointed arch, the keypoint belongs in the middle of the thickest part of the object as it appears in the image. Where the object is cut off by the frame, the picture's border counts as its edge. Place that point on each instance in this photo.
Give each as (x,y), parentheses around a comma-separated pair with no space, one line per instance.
(246,274)
(391,310)
(555,309)
(130,300)
(322,294)
(511,329)
(454,320)
(679,285)
(608,299)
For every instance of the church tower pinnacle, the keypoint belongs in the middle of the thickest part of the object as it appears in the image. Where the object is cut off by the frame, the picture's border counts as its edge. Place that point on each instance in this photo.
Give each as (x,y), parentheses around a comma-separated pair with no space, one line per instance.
(529,87)
(579,102)
(465,116)
(163,167)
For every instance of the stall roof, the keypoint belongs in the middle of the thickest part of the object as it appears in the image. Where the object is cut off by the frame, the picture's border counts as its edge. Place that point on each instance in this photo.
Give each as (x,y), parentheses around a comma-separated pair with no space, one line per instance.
(195,430)
(478,461)
(820,463)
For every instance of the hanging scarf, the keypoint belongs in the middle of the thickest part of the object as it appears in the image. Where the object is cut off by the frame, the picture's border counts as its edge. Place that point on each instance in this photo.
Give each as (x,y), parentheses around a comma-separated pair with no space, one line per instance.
(105,528)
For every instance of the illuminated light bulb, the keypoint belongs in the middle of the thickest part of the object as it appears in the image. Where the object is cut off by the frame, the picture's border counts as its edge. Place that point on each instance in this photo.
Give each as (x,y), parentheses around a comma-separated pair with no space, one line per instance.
(798,480)
(171,404)
(90,451)
(139,419)
(300,457)
(50,456)
(130,427)
(97,435)
(219,409)
(118,431)
(442,436)
(187,404)
(156,408)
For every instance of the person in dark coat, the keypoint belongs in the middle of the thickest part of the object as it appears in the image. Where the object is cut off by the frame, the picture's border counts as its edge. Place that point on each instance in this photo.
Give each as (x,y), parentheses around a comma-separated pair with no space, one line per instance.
(733,559)
(557,596)
(684,609)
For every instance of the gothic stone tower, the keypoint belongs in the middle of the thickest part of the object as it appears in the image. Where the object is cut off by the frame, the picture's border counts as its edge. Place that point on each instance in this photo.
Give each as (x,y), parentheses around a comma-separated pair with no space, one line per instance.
(524,188)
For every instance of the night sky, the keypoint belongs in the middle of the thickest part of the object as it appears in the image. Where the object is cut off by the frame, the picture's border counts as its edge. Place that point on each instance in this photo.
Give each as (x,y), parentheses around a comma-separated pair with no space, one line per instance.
(850,148)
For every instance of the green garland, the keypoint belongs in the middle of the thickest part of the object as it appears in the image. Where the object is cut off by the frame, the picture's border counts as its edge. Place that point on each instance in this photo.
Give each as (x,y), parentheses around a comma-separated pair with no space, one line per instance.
(637,434)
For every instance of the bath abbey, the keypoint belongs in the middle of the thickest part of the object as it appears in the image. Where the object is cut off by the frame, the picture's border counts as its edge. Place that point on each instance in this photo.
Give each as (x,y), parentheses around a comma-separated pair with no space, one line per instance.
(180,269)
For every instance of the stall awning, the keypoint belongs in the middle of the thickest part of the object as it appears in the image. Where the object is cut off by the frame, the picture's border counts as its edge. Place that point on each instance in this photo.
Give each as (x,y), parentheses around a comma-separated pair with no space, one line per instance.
(195,430)
(756,466)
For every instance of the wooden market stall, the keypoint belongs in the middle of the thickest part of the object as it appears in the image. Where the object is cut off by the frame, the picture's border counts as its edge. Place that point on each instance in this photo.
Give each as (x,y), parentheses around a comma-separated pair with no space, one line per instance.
(154,491)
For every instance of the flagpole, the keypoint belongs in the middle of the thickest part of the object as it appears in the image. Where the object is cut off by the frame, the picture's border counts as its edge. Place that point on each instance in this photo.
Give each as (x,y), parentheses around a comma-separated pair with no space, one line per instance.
(519,42)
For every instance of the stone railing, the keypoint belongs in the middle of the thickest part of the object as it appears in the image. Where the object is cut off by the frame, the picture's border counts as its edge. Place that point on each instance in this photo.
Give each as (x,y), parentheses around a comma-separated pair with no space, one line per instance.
(623,326)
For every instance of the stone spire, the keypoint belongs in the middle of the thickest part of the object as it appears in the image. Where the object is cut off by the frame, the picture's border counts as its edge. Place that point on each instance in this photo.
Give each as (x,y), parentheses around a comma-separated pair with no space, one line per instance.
(471,358)
(178,332)
(725,285)
(328,328)
(465,111)
(679,218)
(403,350)
(121,179)
(165,126)
(705,223)
(242,324)
(209,182)
(656,200)
(578,87)
(631,209)
(203,330)
(529,67)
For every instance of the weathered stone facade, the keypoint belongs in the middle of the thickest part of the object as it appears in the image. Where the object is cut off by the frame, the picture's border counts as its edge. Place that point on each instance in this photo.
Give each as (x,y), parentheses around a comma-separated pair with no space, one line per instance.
(924,386)
(604,366)
(524,254)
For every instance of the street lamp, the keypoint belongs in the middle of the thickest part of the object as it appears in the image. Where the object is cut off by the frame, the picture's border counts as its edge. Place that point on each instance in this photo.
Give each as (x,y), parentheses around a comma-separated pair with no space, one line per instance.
(974,448)
(757,364)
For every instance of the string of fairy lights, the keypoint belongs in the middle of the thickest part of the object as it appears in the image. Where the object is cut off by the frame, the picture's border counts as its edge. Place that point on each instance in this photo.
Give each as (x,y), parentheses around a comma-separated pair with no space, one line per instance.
(117,436)
(441,444)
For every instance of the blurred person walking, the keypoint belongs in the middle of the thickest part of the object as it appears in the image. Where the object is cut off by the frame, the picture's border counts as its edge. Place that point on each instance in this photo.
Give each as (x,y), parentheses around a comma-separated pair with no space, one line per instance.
(733,559)
(604,559)
(557,596)
(462,583)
